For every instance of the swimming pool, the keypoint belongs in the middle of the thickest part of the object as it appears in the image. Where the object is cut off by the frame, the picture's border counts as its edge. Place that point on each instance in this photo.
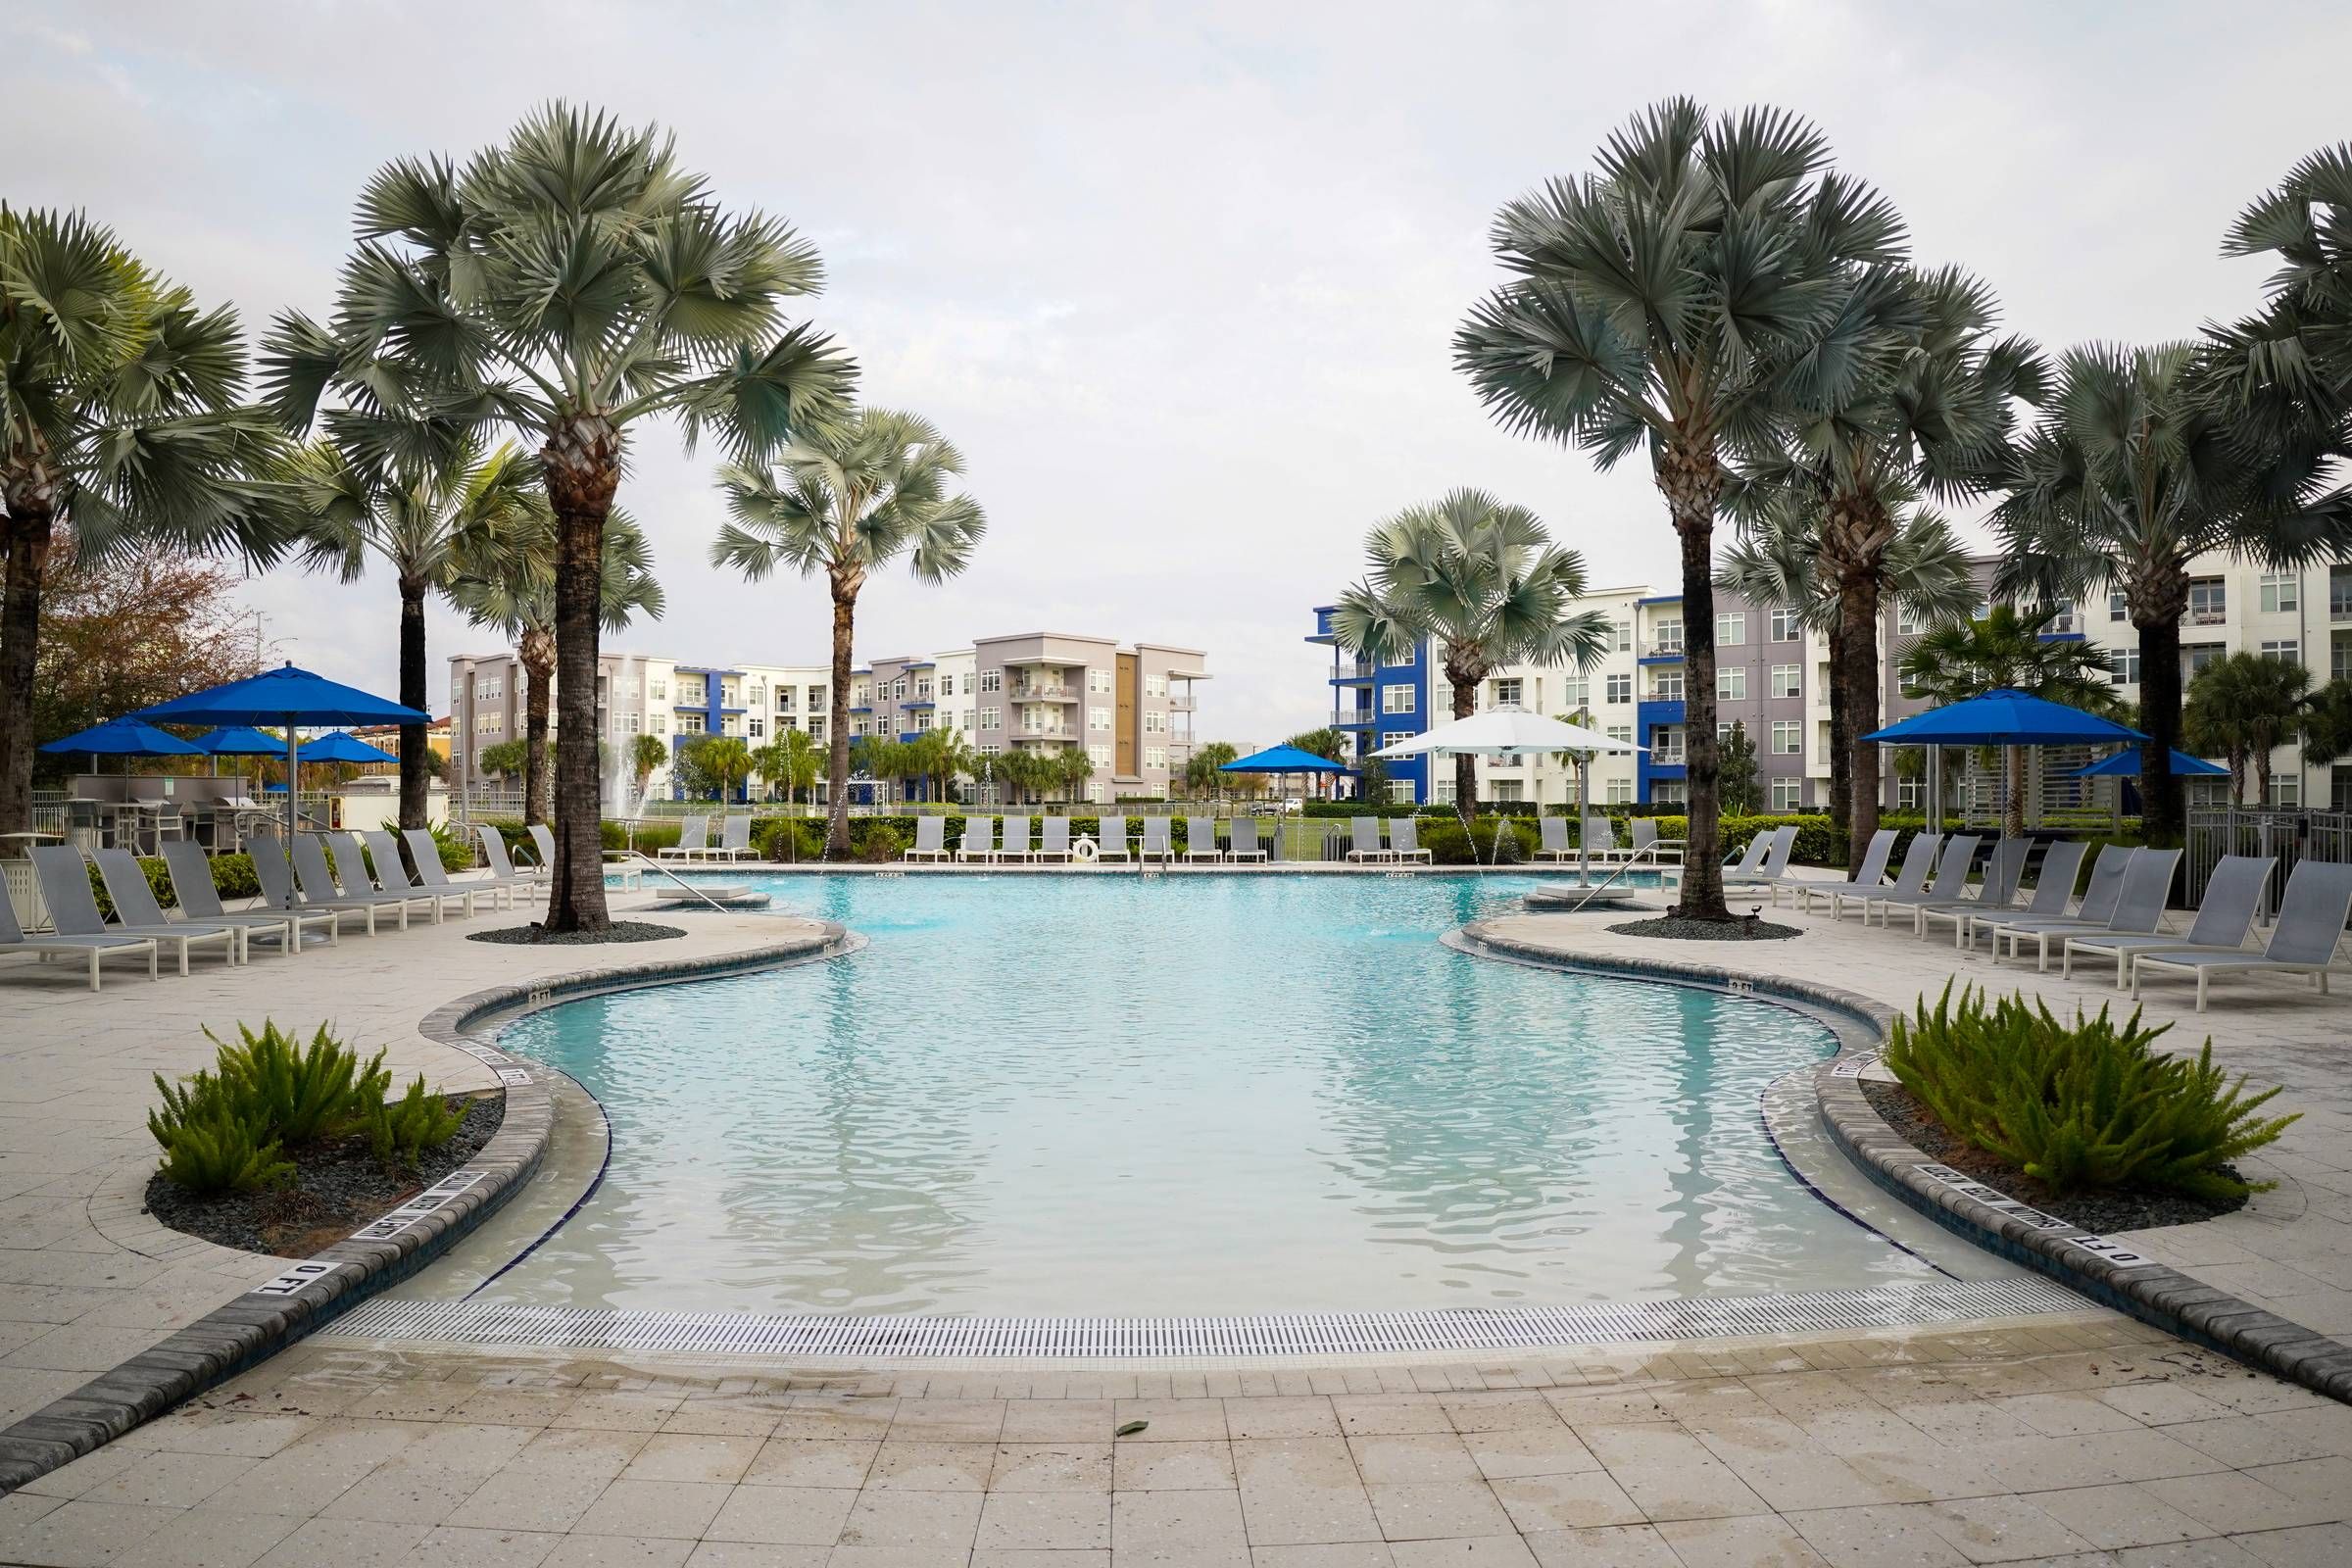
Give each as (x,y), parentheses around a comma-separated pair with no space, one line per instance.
(1124,1096)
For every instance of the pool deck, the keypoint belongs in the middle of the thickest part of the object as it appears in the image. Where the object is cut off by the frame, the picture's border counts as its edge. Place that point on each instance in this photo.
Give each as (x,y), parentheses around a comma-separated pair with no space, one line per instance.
(2080,1439)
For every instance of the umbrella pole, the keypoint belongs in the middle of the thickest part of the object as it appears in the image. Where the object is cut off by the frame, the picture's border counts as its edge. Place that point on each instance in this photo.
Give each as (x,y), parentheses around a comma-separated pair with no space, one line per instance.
(1584,815)
(293,784)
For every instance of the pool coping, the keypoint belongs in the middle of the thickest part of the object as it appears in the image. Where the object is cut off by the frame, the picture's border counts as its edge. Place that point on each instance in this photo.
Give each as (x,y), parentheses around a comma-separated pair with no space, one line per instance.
(2107,1272)
(258,1323)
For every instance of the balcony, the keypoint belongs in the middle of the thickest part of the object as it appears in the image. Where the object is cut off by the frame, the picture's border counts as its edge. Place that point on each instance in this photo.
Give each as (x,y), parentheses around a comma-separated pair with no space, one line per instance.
(1044,732)
(1044,693)
(1667,756)
(2209,616)
(2340,607)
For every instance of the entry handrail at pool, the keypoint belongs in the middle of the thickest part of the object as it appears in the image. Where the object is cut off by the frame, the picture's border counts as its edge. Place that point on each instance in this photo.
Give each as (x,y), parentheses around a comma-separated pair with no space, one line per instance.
(639,860)
(1649,850)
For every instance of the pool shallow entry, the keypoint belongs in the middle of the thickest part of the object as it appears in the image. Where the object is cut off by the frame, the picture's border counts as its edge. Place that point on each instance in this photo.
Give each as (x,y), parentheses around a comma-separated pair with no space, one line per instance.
(1124,1096)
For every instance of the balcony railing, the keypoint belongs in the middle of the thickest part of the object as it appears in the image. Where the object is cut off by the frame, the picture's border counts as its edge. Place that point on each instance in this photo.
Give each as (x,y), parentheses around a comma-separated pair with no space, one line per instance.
(1046,694)
(2340,607)
(1672,649)
(2209,618)
(1044,732)
(1667,756)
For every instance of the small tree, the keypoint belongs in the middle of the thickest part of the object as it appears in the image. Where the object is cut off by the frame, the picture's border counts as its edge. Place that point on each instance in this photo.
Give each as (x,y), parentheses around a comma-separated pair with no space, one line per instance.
(2244,708)
(790,759)
(726,761)
(1741,797)
(503,761)
(1200,769)
(2007,651)
(646,754)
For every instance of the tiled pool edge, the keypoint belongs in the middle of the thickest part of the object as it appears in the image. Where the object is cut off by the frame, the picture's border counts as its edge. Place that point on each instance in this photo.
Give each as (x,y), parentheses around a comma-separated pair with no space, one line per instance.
(2153,1293)
(258,1323)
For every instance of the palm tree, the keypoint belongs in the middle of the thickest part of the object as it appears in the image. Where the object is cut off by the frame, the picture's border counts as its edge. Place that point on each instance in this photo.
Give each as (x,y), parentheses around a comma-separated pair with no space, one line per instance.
(952,758)
(847,502)
(728,760)
(1674,302)
(1483,578)
(574,284)
(2326,725)
(1072,769)
(1200,769)
(646,752)
(121,426)
(790,759)
(512,590)
(2246,705)
(2134,471)
(423,520)
(1778,558)
(1931,416)
(2007,651)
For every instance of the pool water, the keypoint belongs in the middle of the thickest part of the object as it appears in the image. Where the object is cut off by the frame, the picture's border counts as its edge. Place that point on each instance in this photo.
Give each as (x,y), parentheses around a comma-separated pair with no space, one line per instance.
(1131,1096)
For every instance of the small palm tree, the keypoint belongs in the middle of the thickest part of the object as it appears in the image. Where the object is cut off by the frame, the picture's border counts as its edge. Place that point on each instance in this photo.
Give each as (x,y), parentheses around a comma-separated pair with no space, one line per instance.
(952,758)
(423,520)
(790,759)
(727,761)
(847,502)
(1074,767)
(1485,580)
(574,284)
(2007,651)
(1201,775)
(2245,706)
(512,590)
(121,426)
(646,754)
(1674,302)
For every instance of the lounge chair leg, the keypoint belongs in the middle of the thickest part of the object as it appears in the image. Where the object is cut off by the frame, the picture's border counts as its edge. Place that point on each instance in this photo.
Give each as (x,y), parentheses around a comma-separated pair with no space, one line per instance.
(93,967)
(2121,963)
(2201,979)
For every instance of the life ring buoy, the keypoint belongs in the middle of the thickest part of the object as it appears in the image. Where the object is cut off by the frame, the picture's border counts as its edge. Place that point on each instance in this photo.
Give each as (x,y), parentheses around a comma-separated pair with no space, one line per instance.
(1084,850)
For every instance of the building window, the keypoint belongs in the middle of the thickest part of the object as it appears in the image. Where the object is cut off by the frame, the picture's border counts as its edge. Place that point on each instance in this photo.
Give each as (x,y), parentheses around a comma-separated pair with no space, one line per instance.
(1397,699)
(1786,794)
(1785,627)
(2123,665)
(1666,686)
(2289,650)
(2197,655)
(2208,601)
(1731,631)
(1097,680)
(1576,691)
(1155,757)
(1669,637)
(2286,789)
(1731,685)
(1620,688)
(992,718)
(1509,789)
(1787,679)
(662,723)
(658,689)
(1786,736)
(817,727)
(2282,590)
(756,729)
(1155,685)
(1098,719)
(816,698)
(1391,737)
(1155,722)
(1100,756)
(1509,692)
(1666,745)
(1621,732)
(1907,622)
(1400,792)
(690,723)
(992,680)
(1618,792)
(2117,607)
(1625,637)
(1669,792)
(630,723)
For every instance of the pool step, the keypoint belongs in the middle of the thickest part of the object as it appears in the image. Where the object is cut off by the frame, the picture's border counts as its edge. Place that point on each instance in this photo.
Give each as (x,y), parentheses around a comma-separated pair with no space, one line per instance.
(729,898)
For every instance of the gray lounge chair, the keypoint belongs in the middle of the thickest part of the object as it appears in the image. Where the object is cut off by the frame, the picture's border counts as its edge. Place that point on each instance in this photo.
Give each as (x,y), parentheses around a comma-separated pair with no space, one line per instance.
(199,900)
(316,879)
(502,869)
(2233,894)
(1779,845)
(1951,875)
(1363,834)
(1405,839)
(1601,841)
(1875,857)
(136,907)
(355,872)
(734,840)
(1158,841)
(384,853)
(693,837)
(1647,845)
(91,948)
(1017,840)
(65,879)
(2092,915)
(1201,839)
(1743,866)
(2053,889)
(1551,834)
(1053,842)
(543,842)
(2138,907)
(1246,845)
(1110,839)
(2311,922)
(979,841)
(1998,890)
(427,853)
(276,877)
(1919,863)
(930,839)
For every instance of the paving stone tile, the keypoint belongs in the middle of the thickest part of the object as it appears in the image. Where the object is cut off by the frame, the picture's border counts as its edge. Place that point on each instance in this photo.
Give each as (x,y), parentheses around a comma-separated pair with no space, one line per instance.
(948,1420)
(811,1462)
(2230,1501)
(449,1546)
(1582,1500)
(529,1499)
(1039,1521)
(617,1551)
(346,1544)
(1421,1511)
(803,1517)
(210,1540)
(1614,1546)
(2126,1514)
(1335,1554)
(1173,1467)
(1058,1421)
(1053,1467)
(1286,1515)
(1389,1415)
(2003,1530)
(1172,1420)
(2328,1545)
(1478,1551)
(1738,1543)
(1418,1456)
(1877,1535)
(933,1521)
(665,1509)
(922,1466)
(1166,1526)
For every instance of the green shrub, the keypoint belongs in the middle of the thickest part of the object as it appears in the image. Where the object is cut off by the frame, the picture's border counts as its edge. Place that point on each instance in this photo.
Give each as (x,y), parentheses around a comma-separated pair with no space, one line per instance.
(2082,1105)
(1448,845)
(400,1130)
(457,850)
(299,1094)
(220,1155)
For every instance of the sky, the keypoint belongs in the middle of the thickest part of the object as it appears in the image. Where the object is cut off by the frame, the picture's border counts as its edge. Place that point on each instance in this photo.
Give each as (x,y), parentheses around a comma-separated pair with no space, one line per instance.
(1180,280)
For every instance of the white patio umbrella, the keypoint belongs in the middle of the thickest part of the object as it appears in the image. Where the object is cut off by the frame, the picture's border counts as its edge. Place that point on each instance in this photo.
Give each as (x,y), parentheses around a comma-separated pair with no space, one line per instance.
(1509,730)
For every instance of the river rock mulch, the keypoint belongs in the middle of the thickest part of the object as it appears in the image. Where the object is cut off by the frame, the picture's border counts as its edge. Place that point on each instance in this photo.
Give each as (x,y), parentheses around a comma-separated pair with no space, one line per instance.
(1674,928)
(337,1188)
(2107,1211)
(535,936)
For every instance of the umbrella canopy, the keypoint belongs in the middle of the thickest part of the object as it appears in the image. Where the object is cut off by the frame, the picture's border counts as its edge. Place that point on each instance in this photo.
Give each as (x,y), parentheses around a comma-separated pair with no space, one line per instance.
(236,740)
(2004,718)
(342,748)
(1282,760)
(1507,731)
(2126,764)
(124,737)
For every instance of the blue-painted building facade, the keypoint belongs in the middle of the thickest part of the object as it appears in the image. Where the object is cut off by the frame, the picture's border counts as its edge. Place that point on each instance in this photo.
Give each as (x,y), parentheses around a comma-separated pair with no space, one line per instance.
(1377,704)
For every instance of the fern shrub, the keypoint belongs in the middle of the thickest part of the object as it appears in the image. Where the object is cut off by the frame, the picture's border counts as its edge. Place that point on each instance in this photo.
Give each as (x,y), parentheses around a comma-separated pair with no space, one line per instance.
(301,1094)
(401,1130)
(2082,1105)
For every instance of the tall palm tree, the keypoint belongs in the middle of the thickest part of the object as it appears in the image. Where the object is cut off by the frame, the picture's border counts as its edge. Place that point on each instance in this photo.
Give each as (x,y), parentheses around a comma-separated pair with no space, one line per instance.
(728,760)
(1481,578)
(952,758)
(847,502)
(790,759)
(1200,769)
(1674,302)
(573,283)
(2242,707)
(646,752)
(423,520)
(2134,471)
(121,425)
(1931,415)
(512,590)
(1778,558)
(2006,650)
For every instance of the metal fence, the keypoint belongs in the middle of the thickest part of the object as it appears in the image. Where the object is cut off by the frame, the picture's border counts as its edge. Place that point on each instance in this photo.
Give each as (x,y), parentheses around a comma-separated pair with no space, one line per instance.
(2289,835)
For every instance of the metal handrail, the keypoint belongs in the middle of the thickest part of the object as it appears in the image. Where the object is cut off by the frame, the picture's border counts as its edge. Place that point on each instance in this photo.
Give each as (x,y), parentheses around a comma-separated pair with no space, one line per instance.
(642,860)
(1654,847)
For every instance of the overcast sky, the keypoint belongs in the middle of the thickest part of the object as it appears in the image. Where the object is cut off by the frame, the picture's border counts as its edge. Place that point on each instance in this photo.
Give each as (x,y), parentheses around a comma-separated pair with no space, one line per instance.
(1178,279)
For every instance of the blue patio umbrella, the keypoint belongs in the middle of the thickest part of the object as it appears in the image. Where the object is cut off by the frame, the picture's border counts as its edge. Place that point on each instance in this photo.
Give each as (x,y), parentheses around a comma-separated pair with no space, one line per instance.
(289,699)
(239,740)
(2004,718)
(2126,764)
(342,748)
(1282,760)
(124,737)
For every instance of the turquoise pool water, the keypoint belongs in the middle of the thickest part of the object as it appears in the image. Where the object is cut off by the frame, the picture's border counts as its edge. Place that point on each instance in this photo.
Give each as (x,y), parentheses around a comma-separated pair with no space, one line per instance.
(1130,1096)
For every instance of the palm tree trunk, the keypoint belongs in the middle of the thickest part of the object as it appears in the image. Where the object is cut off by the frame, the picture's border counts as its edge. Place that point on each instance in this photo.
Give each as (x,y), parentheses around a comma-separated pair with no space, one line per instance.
(1690,478)
(1853,707)
(538,654)
(582,462)
(1465,765)
(28,543)
(1841,762)
(837,772)
(2013,818)
(412,777)
(2262,775)
(2162,798)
